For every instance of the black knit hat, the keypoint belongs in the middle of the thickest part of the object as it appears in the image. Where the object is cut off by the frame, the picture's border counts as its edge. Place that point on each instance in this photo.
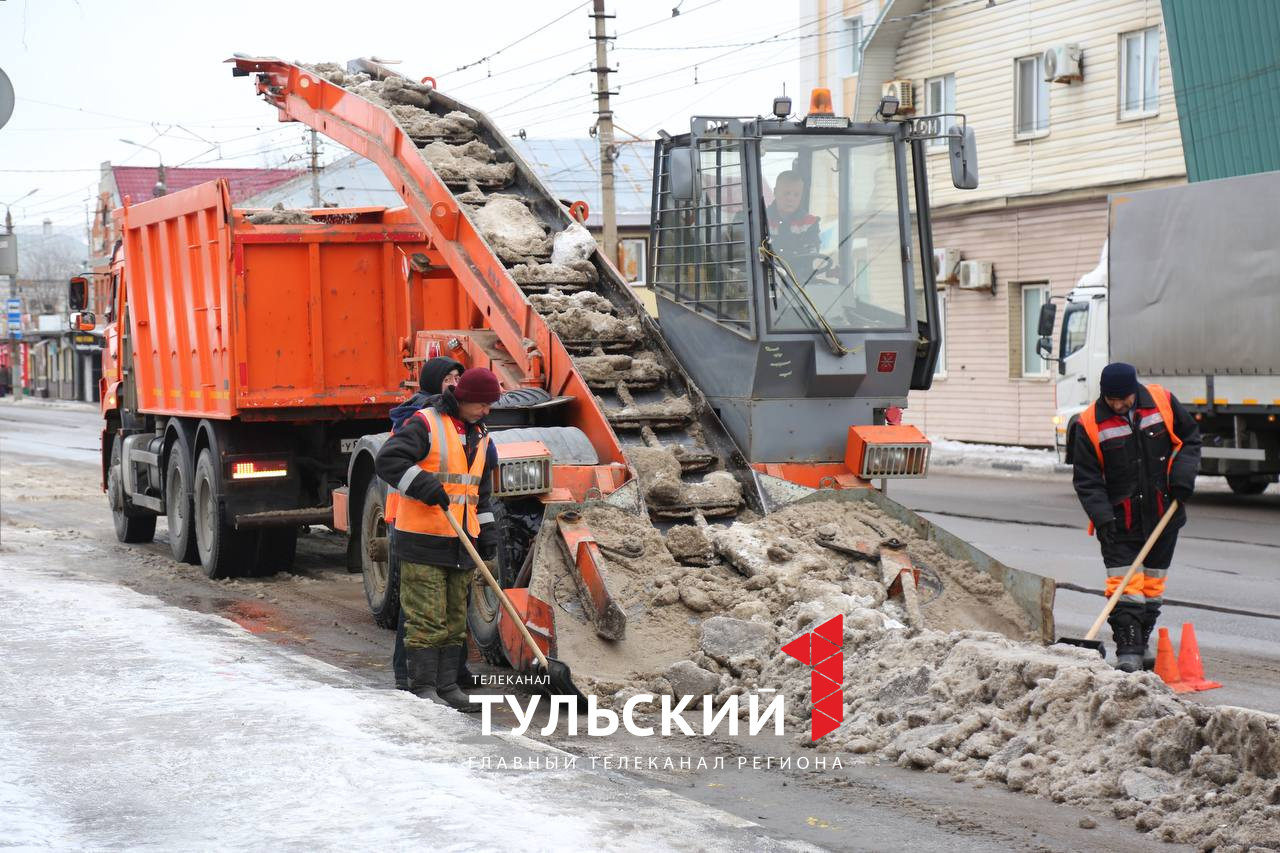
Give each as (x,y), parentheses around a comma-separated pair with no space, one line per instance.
(434,370)
(1119,380)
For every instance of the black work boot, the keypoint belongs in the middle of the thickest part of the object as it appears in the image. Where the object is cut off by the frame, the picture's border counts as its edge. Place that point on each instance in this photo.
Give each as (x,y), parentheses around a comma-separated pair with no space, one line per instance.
(424,668)
(1150,615)
(448,690)
(1126,630)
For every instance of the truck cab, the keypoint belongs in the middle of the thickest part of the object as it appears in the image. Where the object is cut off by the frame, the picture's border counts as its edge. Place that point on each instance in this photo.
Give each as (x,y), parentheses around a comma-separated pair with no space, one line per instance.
(1082,352)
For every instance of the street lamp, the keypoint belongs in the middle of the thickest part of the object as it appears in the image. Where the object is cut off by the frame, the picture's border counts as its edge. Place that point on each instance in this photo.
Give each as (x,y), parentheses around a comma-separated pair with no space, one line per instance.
(8,218)
(159,189)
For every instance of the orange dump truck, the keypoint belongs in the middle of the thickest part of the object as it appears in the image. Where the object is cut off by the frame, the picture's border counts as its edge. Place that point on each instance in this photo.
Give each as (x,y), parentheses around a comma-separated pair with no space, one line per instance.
(251,364)
(242,361)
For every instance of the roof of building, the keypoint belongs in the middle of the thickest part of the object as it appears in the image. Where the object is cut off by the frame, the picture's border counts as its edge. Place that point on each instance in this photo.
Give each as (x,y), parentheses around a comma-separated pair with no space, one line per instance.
(569,167)
(137,182)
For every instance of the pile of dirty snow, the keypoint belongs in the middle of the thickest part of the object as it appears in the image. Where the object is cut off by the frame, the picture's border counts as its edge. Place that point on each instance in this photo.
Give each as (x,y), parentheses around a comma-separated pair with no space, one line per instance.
(967,695)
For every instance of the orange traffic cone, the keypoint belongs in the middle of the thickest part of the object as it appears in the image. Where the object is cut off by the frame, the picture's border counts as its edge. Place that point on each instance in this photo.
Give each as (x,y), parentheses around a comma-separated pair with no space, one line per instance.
(1190,667)
(1167,664)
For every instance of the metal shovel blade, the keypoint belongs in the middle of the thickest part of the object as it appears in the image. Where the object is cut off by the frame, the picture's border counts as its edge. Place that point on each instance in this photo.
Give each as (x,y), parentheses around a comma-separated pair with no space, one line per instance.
(1096,645)
(560,681)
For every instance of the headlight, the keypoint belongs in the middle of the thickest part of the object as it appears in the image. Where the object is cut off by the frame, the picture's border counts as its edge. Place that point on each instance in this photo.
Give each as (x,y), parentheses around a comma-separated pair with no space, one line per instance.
(524,468)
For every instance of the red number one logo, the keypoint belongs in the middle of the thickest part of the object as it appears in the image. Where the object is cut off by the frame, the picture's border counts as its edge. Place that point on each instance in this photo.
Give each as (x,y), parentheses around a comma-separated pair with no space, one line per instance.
(822,649)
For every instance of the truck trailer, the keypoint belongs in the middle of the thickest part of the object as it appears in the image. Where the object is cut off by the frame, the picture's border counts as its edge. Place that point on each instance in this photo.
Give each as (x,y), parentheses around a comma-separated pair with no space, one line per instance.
(1188,291)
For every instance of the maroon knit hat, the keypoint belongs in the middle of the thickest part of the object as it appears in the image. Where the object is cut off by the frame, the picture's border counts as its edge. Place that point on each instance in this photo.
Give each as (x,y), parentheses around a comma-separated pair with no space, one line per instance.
(477,385)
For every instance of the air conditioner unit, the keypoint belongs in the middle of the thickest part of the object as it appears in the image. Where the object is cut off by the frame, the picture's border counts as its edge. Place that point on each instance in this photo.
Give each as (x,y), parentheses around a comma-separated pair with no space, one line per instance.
(900,89)
(946,266)
(977,275)
(1062,63)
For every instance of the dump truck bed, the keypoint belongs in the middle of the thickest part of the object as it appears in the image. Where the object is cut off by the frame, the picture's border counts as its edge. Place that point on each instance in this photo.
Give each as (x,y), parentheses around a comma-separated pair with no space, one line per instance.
(231,319)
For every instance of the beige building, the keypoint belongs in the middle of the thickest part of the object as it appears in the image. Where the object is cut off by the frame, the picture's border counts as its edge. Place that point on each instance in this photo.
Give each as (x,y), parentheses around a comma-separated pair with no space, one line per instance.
(1050,151)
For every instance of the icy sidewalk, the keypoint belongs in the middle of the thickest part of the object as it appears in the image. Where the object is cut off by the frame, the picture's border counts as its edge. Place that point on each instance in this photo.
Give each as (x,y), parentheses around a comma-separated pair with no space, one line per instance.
(129,724)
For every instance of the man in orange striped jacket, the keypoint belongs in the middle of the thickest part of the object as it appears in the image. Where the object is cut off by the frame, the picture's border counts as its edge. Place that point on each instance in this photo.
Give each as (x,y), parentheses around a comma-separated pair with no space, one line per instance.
(441,461)
(1135,450)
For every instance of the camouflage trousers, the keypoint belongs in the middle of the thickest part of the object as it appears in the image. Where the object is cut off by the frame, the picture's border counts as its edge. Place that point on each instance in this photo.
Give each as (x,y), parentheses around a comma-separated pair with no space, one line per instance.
(434,601)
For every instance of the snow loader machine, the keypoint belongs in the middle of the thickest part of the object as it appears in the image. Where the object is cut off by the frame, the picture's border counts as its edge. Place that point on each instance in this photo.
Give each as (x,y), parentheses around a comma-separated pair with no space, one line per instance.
(771,375)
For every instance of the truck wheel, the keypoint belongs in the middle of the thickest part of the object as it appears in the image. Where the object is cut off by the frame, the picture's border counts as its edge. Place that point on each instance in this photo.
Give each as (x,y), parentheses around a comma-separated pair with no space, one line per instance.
(224,551)
(277,546)
(380,570)
(132,525)
(178,506)
(1245,484)
(484,609)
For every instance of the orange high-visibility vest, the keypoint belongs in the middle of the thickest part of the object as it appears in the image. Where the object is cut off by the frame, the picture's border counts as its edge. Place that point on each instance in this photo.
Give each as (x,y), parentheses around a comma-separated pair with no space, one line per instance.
(1089,422)
(447,460)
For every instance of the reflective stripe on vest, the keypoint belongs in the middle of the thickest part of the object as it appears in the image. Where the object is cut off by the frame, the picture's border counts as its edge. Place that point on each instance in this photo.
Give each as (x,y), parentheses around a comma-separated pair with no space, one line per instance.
(447,460)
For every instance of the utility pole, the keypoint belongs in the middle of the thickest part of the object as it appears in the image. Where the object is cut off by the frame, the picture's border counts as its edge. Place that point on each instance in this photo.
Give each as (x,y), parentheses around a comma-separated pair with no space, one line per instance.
(315,169)
(608,151)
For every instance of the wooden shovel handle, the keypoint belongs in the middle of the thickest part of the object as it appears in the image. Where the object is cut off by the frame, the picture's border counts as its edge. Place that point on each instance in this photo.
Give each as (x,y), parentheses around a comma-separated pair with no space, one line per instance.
(1142,555)
(502,596)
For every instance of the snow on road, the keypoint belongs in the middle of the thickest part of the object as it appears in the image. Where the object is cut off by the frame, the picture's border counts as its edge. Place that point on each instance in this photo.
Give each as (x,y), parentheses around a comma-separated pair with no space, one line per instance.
(129,724)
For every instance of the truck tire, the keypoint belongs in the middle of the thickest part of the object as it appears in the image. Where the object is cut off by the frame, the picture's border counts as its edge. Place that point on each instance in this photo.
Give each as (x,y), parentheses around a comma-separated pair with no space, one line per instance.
(277,546)
(224,551)
(178,506)
(381,576)
(483,607)
(132,525)
(1246,484)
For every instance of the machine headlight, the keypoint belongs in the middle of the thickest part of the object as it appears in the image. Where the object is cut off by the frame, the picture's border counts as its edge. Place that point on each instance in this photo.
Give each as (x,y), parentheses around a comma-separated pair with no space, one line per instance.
(524,468)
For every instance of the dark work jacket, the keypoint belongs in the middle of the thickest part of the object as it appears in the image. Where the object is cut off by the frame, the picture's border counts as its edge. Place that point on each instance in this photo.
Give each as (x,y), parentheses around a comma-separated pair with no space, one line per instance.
(1133,490)
(409,445)
(794,236)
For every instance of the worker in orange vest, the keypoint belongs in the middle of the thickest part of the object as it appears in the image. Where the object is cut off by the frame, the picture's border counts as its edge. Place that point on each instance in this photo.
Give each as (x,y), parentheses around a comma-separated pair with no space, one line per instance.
(1135,450)
(442,460)
(436,375)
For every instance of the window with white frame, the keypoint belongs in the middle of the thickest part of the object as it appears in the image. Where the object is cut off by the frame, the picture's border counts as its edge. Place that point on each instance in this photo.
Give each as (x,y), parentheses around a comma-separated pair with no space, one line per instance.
(940,97)
(940,368)
(851,46)
(1140,73)
(1031,97)
(1034,296)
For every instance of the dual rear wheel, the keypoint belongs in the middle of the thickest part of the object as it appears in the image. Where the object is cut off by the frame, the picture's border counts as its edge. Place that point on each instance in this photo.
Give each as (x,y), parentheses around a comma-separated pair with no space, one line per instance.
(200,530)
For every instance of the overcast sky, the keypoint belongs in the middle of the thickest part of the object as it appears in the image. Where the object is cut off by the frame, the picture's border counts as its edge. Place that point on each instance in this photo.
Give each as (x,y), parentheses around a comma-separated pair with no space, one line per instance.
(89,73)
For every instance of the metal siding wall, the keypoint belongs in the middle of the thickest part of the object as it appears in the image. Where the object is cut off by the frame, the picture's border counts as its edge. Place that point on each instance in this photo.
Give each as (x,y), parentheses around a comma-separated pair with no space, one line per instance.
(977,401)
(1226,64)
(1087,143)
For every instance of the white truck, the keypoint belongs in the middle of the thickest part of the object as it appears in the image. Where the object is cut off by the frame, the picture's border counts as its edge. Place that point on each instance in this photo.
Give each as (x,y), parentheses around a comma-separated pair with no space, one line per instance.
(1188,291)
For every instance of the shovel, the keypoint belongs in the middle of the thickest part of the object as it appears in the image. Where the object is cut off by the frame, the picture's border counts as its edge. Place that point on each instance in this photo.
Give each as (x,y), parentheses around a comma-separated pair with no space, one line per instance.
(1089,642)
(557,671)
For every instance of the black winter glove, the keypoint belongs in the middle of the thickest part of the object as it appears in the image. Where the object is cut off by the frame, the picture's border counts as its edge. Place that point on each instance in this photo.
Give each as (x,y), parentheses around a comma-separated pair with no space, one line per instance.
(1106,533)
(433,493)
(1181,494)
(488,541)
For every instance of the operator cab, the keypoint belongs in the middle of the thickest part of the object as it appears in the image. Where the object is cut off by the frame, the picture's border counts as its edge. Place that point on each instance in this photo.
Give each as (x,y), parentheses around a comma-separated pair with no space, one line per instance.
(793,269)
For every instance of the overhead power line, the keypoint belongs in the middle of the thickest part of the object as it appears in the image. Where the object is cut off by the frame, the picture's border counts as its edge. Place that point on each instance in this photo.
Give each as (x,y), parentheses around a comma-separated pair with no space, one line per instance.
(523,38)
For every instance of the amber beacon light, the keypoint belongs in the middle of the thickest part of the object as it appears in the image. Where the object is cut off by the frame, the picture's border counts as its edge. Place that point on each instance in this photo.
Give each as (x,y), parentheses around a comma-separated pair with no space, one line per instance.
(820,103)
